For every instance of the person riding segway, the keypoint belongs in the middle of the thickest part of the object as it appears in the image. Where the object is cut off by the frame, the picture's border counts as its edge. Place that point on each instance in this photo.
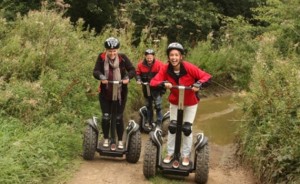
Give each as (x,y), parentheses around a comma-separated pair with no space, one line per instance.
(114,71)
(146,70)
(184,81)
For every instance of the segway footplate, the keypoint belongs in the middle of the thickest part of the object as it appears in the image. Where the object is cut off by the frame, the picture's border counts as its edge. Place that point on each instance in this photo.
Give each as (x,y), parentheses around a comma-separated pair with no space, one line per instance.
(106,151)
(181,170)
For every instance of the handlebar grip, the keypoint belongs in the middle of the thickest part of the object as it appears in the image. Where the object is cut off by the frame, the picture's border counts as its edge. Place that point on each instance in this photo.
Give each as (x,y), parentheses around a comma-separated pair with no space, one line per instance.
(180,86)
(116,82)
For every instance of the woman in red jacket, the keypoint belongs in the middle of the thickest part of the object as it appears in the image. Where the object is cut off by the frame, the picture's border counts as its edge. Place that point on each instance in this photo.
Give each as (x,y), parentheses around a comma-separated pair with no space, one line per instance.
(180,72)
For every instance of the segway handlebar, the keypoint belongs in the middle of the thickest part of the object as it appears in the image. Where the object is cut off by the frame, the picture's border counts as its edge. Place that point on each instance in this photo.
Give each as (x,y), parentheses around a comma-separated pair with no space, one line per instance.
(116,82)
(115,87)
(145,83)
(181,94)
(181,87)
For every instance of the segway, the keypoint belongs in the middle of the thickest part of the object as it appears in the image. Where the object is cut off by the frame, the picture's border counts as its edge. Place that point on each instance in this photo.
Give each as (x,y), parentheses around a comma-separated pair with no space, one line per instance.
(132,146)
(153,151)
(146,122)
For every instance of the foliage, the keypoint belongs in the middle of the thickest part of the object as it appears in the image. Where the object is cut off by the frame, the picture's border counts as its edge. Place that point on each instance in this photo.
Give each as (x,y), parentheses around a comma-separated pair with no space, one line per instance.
(35,155)
(283,21)
(183,21)
(270,133)
(233,8)
(230,56)
(13,7)
(96,14)
(46,93)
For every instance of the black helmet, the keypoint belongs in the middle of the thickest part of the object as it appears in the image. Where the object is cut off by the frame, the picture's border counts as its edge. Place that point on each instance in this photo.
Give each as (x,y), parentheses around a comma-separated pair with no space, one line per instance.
(149,51)
(111,43)
(175,45)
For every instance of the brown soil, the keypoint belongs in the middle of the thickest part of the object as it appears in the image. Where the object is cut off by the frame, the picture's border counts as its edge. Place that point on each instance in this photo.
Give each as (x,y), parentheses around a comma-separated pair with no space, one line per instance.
(224,168)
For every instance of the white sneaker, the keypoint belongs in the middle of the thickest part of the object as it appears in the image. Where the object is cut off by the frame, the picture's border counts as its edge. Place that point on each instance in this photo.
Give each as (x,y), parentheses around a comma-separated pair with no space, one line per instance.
(168,159)
(120,145)
(185,161)
(105,143)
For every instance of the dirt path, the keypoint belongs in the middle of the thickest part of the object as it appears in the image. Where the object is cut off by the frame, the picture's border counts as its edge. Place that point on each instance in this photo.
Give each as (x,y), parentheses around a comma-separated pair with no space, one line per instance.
(223,169)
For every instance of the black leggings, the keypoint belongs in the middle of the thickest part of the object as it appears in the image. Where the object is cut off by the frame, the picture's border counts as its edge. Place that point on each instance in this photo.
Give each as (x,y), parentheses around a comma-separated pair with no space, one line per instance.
(106,106)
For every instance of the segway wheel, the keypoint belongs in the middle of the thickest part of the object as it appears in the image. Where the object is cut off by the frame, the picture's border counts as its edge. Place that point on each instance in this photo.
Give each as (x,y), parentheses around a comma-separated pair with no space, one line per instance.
(134,147)
(202,161)
(150,159)
(90,138)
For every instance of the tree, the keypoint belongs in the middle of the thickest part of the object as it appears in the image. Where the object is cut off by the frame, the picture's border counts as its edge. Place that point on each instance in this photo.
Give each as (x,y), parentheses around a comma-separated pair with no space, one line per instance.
(183,21)
(11,7)
(95,13)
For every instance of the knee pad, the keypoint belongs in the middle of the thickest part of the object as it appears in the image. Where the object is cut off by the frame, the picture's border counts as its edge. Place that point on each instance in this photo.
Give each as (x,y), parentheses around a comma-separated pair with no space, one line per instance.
(187,128)
(105,118)
(173,126)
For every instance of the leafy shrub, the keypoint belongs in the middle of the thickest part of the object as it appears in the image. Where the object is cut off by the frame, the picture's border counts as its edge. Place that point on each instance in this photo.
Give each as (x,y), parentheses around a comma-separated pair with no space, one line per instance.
(270,133)
(46,93)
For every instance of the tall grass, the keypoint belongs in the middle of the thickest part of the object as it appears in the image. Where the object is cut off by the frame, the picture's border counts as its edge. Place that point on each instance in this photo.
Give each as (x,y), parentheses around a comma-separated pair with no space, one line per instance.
(270,134)
(45,94)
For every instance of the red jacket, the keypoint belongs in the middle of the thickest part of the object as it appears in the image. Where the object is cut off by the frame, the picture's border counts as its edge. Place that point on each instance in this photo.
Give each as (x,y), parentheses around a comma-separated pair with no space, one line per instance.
(145,73)
(189,74)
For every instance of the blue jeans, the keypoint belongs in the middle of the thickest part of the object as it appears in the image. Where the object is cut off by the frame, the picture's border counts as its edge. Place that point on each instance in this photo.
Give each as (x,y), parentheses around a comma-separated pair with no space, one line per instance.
(157,106)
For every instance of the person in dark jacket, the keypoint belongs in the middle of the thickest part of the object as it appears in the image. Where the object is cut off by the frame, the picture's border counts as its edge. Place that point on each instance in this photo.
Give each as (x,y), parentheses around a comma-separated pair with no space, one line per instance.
(180,72)
(145,71)
(113,66)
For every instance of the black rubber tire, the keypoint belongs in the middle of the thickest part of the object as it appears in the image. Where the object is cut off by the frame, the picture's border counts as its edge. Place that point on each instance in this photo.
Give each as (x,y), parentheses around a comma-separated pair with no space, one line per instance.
(202,164)
(134,148)
(150,159)
(90,140)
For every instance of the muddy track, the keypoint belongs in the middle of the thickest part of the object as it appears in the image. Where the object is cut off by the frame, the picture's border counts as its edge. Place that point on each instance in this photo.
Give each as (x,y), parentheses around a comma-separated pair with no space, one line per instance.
(223,169)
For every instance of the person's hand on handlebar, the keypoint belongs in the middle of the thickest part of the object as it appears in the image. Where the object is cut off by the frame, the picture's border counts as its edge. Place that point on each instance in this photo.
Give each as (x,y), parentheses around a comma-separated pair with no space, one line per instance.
(195,89)
(197,86)
(168,85)
(104,81)
(125,81)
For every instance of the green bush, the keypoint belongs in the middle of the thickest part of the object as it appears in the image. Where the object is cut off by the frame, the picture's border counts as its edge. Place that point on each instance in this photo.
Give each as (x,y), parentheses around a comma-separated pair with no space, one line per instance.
(270,133)
(46,92)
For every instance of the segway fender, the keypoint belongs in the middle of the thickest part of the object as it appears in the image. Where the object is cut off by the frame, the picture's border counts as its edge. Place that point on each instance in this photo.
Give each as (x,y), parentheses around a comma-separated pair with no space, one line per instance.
(155,136)
(143,114)
(130,129)
(166,116)
(93,123)
(201,141)
(143,111)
